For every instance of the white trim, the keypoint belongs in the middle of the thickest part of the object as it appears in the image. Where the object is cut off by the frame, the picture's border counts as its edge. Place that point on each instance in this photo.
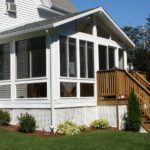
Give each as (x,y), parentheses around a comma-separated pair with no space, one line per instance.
(13,70)
(31,80)
(29,99)
(77,17)
(117,27)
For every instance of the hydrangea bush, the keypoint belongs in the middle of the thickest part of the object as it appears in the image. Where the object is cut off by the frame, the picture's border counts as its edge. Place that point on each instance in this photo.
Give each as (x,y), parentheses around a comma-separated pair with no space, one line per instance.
(100,124)
(68,128)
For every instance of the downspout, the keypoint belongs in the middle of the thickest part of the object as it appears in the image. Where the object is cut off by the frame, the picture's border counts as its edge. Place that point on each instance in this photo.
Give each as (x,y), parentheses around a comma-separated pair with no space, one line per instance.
(50,41)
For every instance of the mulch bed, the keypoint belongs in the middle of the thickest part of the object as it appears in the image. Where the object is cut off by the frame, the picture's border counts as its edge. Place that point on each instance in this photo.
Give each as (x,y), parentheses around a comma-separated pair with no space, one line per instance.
(39,133)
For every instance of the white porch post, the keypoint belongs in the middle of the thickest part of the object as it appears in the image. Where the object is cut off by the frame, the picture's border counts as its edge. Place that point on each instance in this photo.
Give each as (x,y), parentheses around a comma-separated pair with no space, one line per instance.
(125,59)
(13,75)
(117,57)
(13,70)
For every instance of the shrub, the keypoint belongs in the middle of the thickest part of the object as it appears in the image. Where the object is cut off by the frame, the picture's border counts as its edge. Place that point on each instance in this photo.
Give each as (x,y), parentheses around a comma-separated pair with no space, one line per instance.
(133,120)
(4,117)
(99,124)
(27,123)
(82,127)
(68,128)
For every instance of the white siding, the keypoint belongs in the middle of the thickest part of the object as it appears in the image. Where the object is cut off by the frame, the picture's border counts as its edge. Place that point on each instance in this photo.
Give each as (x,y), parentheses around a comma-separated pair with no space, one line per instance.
(26,12)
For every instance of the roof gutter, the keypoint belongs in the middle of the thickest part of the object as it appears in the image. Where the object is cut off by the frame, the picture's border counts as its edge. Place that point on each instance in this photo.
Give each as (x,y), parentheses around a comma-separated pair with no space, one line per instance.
(9,35)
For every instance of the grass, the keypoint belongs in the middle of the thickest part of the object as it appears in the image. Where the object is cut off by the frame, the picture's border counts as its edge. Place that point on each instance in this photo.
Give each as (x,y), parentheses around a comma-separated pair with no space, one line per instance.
(97,140)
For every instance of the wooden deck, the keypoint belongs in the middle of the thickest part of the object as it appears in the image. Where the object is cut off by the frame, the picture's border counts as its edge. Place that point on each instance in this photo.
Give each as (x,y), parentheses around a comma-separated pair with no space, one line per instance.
(115,86)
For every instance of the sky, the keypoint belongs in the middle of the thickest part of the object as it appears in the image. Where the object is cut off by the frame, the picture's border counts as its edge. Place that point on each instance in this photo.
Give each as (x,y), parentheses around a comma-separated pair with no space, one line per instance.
(124,12)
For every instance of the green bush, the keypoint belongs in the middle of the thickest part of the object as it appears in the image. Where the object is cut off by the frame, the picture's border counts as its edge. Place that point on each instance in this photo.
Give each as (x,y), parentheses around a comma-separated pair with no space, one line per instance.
(133,120)
(82,127)
(27,123)
(99,124)
(4,117)
(68,128)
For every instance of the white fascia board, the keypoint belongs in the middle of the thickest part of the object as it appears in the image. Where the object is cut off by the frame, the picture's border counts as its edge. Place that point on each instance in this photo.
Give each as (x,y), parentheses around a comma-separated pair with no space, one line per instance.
(77,17)
(118,28)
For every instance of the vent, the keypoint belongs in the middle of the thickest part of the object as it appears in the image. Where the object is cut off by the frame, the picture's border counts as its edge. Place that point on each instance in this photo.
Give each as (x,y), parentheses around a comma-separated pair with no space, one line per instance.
(11,7)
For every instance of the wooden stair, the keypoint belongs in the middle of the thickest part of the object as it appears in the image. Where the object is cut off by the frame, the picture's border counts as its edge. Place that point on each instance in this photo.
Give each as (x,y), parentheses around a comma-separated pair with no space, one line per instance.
(119,83)
(146,123)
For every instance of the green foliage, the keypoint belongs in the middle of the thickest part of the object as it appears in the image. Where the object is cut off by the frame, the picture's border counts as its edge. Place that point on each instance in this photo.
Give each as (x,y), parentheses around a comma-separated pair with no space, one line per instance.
(139,64)
(68,128)
(27,123)
(99,124)
(82,127)
(133,120)
(4,117)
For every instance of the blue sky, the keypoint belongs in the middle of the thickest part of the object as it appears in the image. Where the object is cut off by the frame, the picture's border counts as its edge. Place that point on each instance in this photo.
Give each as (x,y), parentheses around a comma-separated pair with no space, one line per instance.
(124,12)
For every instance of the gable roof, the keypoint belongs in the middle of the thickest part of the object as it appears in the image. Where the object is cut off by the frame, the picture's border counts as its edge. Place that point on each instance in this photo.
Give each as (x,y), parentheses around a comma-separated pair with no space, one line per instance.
(58,21)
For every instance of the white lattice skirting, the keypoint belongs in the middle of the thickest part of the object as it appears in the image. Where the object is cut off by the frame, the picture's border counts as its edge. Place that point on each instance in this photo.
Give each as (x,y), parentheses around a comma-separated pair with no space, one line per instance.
(80,115)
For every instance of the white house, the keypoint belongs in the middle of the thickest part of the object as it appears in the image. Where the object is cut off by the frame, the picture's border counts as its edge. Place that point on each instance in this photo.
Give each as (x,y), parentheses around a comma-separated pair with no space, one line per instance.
(51,62)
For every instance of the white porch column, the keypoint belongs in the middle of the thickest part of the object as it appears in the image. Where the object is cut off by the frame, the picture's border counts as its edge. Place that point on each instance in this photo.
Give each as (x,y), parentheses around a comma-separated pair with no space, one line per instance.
(125,59)
(13,70)
(94,28)
(117,57)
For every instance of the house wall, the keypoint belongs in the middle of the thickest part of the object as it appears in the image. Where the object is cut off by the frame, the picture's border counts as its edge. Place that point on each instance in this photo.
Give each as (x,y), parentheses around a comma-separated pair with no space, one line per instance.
(57,109)
(23,14)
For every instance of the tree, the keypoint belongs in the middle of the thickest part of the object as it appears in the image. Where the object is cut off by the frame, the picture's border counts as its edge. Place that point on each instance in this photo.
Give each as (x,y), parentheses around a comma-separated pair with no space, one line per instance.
(133,120)
(139,57)
(141,61)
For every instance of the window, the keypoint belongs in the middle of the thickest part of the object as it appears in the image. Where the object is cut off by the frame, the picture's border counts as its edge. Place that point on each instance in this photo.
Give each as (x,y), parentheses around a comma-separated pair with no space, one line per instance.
(121,59)
(111,57)
(86,59)
(68,89)
(4,91)
(68,57)
(86,90)
(31,58)
(106,57)
(102,57)
(34,90)
(5,61)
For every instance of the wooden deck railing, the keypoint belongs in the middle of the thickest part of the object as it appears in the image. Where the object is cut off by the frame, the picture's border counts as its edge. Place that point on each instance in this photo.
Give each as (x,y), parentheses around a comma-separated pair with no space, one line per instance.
(119,83)
(140,78)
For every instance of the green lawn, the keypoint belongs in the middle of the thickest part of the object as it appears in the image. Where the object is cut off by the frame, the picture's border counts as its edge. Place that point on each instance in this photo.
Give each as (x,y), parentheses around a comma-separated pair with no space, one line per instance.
(98,140)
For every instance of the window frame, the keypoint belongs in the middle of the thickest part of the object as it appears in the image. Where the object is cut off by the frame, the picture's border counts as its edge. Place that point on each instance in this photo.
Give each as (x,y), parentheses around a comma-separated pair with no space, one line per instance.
(68,57)
(86,59)
(30,59)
